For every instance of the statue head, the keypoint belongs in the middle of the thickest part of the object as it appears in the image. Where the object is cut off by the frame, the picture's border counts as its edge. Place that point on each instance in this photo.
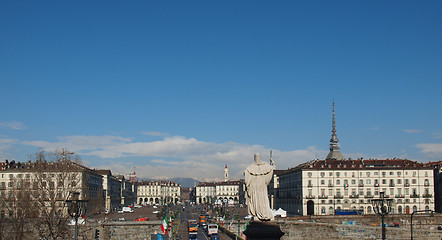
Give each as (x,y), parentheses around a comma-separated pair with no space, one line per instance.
(257,158)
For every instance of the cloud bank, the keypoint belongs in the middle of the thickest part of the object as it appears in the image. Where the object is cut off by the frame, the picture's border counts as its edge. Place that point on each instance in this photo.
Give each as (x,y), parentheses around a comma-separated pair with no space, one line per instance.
(431,149)
(173,156)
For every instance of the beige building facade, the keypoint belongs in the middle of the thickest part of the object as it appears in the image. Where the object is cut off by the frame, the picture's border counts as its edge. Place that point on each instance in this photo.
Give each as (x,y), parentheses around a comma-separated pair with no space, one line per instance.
(158,192)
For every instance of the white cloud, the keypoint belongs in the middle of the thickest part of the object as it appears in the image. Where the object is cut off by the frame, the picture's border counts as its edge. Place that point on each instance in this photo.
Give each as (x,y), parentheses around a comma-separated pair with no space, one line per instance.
(13,125)
(177,155)
(431,149)
(412,130)
(80,143)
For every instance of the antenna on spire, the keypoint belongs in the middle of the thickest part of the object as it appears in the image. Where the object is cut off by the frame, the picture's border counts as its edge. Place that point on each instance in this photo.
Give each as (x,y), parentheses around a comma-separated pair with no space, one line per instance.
(271,153)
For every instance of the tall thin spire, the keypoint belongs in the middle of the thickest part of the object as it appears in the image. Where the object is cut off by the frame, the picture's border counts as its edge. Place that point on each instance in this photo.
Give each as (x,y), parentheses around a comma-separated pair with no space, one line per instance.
(334,142)
(226,174)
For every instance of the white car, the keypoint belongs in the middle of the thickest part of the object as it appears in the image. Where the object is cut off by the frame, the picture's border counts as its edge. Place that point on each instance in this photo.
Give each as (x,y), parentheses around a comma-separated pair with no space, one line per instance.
(155,212)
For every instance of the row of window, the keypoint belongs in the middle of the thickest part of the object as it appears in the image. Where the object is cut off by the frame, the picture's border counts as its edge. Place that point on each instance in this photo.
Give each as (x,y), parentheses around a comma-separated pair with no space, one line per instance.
(368,181)
(36,184)
(369,210)
(368,174)
(354,192)
(368,201)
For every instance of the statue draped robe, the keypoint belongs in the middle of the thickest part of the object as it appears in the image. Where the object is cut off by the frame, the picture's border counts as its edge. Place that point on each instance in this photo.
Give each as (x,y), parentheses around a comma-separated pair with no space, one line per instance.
(257,177)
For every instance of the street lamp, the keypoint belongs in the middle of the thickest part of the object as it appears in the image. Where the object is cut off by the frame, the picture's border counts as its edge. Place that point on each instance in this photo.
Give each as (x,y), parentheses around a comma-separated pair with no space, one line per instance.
(380,208)
(76,208)
(411,225)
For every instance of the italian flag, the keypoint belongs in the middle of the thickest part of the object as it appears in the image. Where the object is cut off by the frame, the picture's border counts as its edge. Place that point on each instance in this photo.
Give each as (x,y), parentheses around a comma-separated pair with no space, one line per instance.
(164,226)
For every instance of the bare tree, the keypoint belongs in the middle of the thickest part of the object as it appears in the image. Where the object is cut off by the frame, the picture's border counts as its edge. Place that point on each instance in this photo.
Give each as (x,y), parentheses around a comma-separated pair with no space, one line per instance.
(35,200)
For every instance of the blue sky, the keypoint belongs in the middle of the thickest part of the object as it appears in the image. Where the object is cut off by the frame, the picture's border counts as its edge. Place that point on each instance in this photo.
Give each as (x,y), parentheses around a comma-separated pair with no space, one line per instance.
(181,88)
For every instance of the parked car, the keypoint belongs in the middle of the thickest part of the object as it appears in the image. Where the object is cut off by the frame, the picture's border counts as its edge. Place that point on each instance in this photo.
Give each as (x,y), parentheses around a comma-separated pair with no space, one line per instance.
(127,209)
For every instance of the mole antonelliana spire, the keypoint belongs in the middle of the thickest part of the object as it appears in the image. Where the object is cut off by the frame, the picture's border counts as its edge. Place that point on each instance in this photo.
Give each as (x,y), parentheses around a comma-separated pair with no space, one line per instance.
(334,142)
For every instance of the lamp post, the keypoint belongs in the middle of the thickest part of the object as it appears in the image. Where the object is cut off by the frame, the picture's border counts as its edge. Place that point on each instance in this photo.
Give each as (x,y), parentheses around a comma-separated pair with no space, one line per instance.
(411,225)
(76,208)
(382,206)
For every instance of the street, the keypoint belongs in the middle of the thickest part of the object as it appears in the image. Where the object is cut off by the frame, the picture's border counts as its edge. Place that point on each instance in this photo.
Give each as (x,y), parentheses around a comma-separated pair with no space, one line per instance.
(191,212)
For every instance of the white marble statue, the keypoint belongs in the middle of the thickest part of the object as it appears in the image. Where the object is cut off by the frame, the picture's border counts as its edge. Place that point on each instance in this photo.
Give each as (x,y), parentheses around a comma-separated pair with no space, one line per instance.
(258,175)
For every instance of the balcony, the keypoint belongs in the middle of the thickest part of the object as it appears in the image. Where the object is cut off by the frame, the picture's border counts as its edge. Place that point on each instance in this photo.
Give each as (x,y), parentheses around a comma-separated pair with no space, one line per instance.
(414,196)
(399,196)
(426,184)
(406,185)
(391,184)
(361,184)
(309,185)
(354,196)
(339,197)
(323,197)
(427,195)
(368,196)
(310,197)
(330,185)
(346,185)
(376,184)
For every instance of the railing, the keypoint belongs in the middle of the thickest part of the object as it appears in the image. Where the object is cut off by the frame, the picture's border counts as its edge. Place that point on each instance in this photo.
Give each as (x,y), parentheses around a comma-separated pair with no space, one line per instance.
(368,196)
(426,184)
(414,195)
(339,196)
(406,185)
(427,196)
(323,197)
(391,184)
(310,185)
(361,184)
(354,196)
(310,197)
(330,185)
(376,184)
(399,196)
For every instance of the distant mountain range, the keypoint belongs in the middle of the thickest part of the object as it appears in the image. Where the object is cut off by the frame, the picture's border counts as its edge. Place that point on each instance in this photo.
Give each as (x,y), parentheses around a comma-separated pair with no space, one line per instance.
(185,182)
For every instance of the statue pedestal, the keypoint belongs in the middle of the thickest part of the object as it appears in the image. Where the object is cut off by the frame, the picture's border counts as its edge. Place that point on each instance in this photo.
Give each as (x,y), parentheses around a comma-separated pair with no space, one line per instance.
(263,230)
